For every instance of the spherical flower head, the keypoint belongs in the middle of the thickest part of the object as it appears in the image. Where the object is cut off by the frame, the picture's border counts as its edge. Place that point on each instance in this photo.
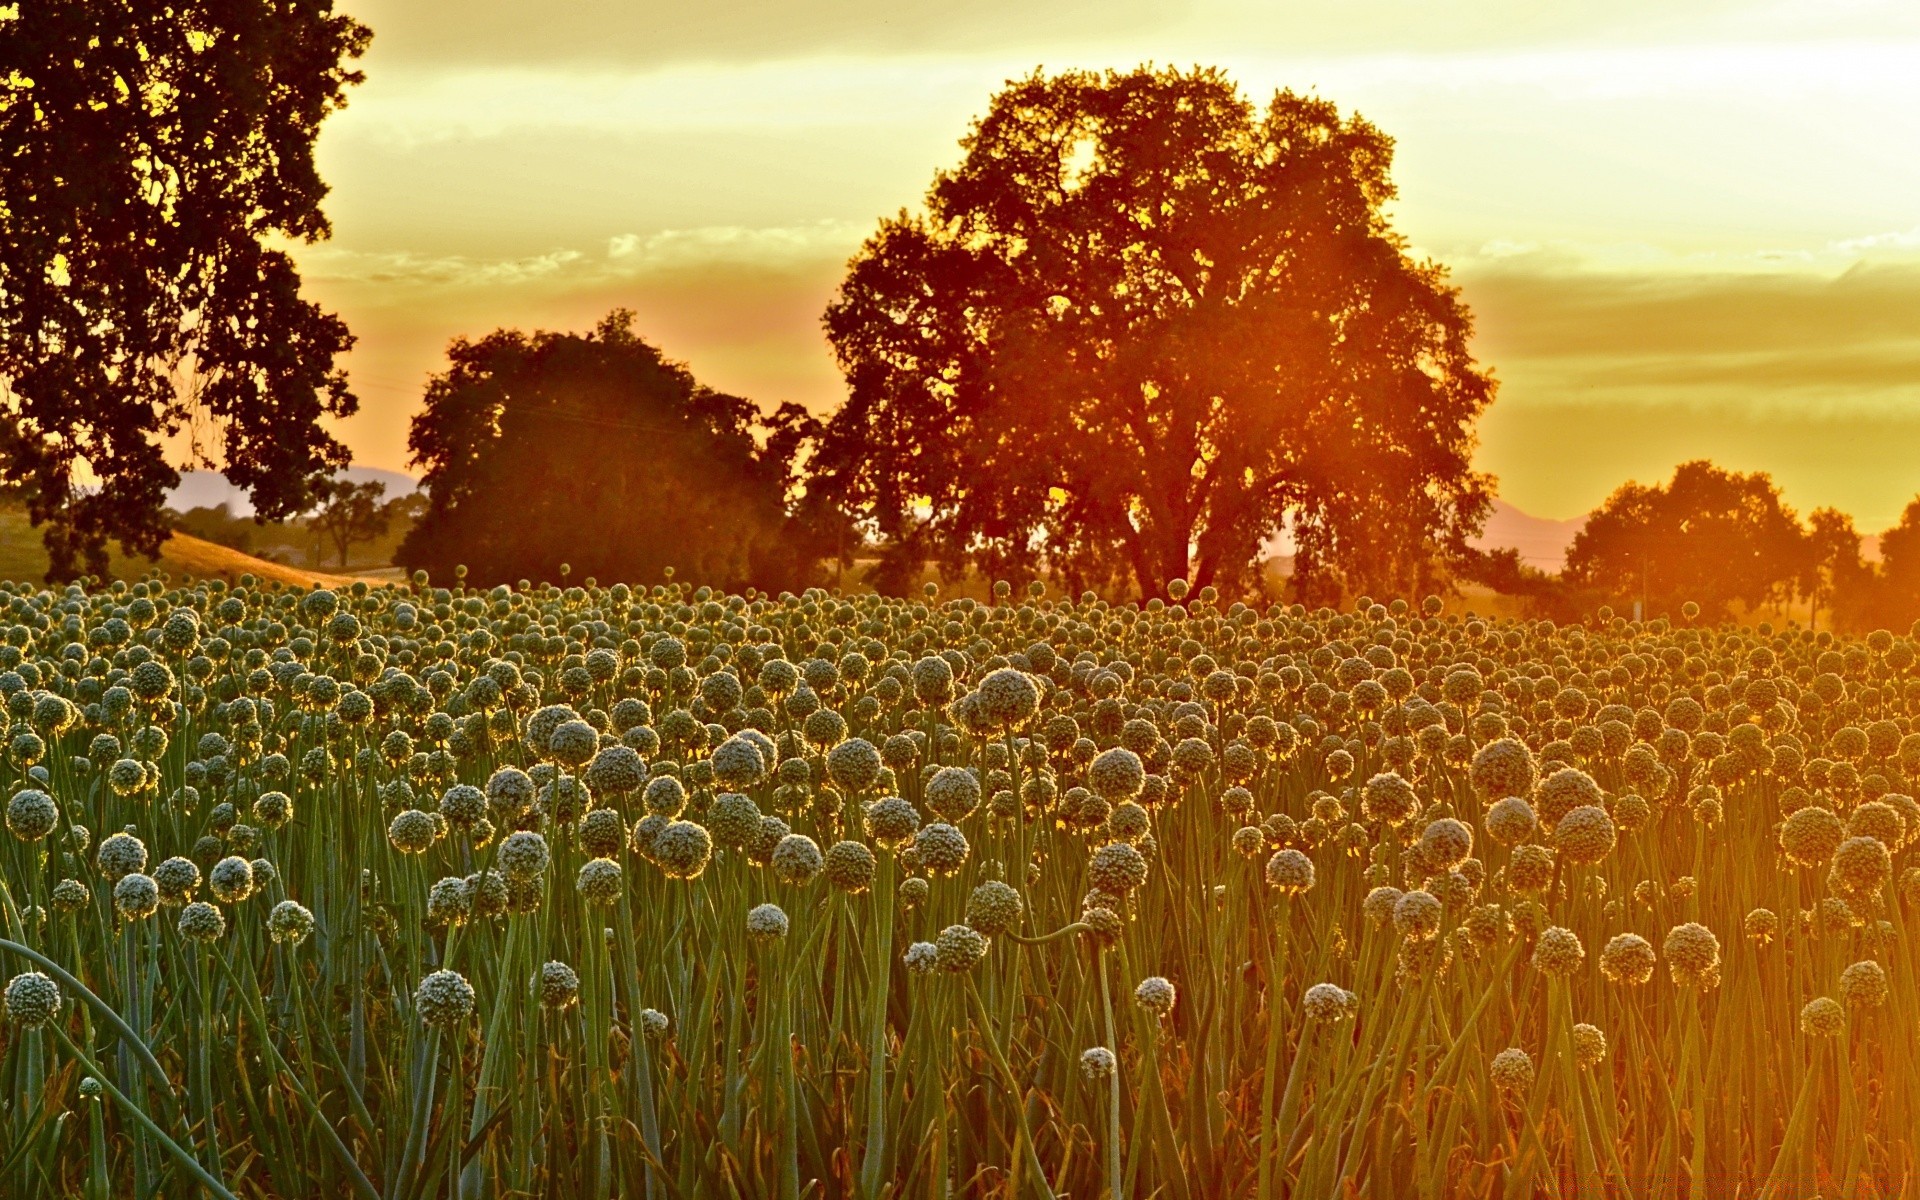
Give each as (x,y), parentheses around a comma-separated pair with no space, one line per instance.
(1809,836)
(1761,925)
(682,849)
(665,797)
(136,897)
(914,892)
(1117,868)
(1503,768)
(952,794)
(119,855)
(1328,1003)
(1823,1017)
(994,908)
(921,957)
(573,743)
(202,922)
(733,818)
(178,879)
(854,765)
(443,999)
(654,1025)
(1562,792)
(272,810)
(1104,925)
(69,895)
(1693,956)
(448,901)
(616,770)
(958,948)
(231,880)
(601,832)
(766,923)
(559,985)
(524,855)
(1416,915)
(1530,869)
(1378,906)
(32,815)
(1155,995)
(290,923)
(1510,821)
(1116,775)
(1585,835)
(1388,799)
(1249,841)
(1097,1063)
(510,792)
(1558,952)
(1290,872)
(1512,1071)
(1864,985)
(32,1000)
(1008,698)
(890,821)
(797,859)
(850,866)
(600,881)
(942,848)
(1589,1045)
(412,831)
(1861,866)
(738,764)
(1446,844)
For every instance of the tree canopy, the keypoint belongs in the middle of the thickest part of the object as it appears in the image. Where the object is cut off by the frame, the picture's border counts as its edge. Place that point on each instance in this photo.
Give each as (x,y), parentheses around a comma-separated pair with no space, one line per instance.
(1712,536)
(1142,328)
(152,152)
(595,452)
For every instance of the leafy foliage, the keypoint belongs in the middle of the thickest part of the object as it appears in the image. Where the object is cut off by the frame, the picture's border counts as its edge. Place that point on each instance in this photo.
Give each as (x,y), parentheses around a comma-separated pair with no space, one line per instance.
(1143,326)
(1711,536)
(153,153)
(351,513)
(596,452)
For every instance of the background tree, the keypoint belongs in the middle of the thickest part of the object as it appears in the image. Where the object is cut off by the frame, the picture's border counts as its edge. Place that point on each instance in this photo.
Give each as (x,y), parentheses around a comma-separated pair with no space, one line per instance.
(350,513)
(1713,536)
(1835,568)
(1143,326)
(152,151)
(595,451)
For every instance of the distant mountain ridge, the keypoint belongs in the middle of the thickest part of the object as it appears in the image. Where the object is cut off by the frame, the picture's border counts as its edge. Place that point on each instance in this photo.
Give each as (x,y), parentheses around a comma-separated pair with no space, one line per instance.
(1541,541)
(209,489)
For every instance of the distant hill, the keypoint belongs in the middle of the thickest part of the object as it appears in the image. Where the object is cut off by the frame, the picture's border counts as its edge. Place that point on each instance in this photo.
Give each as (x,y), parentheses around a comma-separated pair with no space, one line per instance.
(209,489)
(1541,541)
(24,559)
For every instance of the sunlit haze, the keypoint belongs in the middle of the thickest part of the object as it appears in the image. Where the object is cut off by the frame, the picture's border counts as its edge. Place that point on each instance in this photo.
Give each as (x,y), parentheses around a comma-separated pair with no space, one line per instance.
(1686,228)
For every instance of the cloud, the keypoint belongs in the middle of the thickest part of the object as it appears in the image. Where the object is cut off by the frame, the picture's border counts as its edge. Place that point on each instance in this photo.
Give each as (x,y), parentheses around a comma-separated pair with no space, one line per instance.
(608,31)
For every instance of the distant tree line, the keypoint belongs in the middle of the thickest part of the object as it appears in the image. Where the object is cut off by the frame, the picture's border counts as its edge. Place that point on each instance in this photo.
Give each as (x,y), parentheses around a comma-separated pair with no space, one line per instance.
(1142,331)
(1726,542)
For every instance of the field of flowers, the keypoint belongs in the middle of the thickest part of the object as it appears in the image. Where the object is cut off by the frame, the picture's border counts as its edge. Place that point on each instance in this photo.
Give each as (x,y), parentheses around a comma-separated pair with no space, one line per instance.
(657,892)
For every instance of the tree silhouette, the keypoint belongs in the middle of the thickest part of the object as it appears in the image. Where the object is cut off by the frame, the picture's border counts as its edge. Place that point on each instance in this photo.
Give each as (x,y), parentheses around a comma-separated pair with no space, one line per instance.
(1140,329)
(1836,574)
(1712,536)
(152,151)
(350,513)
(596,452)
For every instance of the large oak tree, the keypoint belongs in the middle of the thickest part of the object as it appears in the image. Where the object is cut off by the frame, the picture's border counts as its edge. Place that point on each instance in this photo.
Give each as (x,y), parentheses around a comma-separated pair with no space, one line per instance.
(1142,328)
(151,156)
(1709,535)
(595,452)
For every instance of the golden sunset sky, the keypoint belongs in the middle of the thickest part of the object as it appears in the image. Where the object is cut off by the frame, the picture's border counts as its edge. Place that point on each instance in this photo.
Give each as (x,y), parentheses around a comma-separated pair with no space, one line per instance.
(1686,227)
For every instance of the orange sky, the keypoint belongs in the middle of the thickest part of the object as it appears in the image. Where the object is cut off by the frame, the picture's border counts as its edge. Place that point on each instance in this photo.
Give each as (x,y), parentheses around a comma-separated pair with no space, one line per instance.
(1686,227)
